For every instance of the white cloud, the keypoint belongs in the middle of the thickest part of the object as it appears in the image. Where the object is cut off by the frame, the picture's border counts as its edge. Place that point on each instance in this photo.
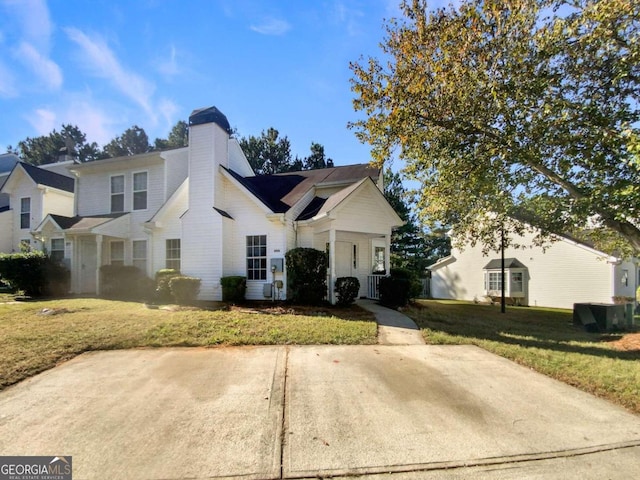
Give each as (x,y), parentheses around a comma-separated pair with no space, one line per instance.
(348,17)
(33,18)
(169,67)
(94,122)
(168,109)
(271,26)
(8,87)
(48,71)
(104,64)
(43,121)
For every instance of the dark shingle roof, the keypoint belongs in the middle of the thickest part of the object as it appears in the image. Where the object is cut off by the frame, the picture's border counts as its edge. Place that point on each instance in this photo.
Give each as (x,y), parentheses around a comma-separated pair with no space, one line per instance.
(312,209)
(281,191)
(50,179)
(8,161)
(508,263)
(88,222)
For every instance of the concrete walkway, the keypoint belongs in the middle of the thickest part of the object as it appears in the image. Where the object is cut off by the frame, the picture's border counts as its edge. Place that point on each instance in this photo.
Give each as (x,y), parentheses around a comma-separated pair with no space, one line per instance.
(394,328)
(384,412)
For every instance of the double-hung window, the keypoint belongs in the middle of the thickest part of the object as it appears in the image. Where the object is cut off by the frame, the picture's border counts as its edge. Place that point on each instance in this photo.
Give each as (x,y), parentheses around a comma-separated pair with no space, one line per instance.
(140,255)
(117,252)
(57,249)
(257,257)
(517,282)
(140,191)
(117,194)
(25,212)
(494,281)
(173,253)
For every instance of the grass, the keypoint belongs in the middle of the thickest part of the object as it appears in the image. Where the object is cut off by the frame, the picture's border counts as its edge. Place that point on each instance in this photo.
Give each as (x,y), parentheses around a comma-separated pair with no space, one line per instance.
(33,341)
(542,339)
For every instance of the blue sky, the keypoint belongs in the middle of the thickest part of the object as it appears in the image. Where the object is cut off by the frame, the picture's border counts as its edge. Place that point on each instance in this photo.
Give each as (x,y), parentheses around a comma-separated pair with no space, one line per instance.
(107,65)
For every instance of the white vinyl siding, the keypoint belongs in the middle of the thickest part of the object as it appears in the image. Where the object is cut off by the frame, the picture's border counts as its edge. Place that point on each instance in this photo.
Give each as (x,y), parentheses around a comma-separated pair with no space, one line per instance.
(559,276)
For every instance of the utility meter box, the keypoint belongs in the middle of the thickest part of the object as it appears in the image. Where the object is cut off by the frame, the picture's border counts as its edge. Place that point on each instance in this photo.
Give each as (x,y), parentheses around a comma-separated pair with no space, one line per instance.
(278,263)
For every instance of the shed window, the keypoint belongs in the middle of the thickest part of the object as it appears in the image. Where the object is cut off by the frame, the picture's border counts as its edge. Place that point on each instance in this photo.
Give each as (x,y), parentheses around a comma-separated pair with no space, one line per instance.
(494,281)
(257,257)
(517,282)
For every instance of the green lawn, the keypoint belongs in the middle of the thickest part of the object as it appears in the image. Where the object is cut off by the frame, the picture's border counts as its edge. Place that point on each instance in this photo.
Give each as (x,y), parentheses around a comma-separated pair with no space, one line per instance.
(543,339)
(33,342)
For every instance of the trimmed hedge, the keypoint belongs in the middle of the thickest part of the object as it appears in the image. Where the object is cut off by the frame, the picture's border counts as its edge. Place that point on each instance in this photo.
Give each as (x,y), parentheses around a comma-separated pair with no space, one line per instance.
(124,282)
(233,288)
(347,289)
(34,273)
(163,277)
(306,275)
(184,289)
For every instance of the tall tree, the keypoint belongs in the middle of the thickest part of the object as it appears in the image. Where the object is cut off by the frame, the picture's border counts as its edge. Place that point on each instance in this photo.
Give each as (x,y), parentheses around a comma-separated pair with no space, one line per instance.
(411,246)
(69,141)
(269,153)
(317,158)
(178,137)
(513,108)
(133,141)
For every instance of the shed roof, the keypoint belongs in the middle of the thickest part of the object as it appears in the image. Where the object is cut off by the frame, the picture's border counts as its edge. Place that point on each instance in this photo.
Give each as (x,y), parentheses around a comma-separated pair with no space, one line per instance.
(496,264)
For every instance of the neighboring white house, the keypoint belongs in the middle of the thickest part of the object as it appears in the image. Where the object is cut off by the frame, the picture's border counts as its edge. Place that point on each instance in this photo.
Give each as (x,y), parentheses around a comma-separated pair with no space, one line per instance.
(201,210)
(564,273)
(28,194)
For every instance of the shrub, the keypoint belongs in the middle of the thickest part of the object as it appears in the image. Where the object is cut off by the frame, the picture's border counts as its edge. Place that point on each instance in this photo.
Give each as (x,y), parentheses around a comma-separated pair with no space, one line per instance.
(347,289)
(306,275)
(233,288)
(124,282)
(34,273)
(58,279)
(184,289)
(394,291)
(163,277)
(415,284)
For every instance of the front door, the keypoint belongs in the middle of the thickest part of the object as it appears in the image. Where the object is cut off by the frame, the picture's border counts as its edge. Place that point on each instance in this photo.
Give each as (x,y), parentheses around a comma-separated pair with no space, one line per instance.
(88,259)
(344,259)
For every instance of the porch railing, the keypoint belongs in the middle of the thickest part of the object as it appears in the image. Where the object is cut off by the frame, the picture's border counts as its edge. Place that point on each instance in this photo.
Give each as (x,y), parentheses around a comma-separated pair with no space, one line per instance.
(373,286)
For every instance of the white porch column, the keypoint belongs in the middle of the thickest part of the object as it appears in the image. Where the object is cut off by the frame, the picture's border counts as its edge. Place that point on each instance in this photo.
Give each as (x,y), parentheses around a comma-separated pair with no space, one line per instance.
(387,256)
(98,262)
(332,264)
(76,266)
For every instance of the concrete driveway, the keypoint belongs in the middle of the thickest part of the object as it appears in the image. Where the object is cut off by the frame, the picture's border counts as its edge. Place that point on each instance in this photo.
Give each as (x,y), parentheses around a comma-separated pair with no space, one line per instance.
(390,412)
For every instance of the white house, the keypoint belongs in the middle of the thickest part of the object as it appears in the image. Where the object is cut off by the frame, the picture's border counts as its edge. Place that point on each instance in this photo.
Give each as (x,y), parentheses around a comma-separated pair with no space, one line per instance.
(27,195)
(564,273)
(201,209)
